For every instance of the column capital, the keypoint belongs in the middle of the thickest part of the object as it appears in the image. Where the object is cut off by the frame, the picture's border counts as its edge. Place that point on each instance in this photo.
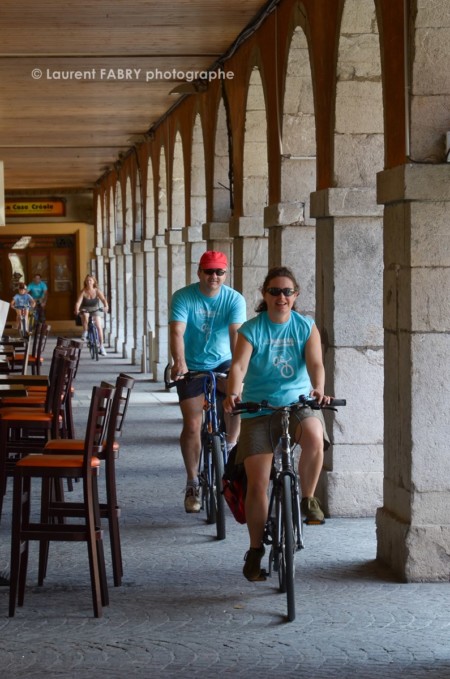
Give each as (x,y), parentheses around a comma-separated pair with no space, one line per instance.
(345,202)
(216,231)
(173,237)
(424,182)
(246,226)
(285,214)
(192,234)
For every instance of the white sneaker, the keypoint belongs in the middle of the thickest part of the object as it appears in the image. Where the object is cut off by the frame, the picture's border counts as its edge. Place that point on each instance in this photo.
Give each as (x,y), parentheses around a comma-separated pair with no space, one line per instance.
(192,502)
(102,351)
(84,335)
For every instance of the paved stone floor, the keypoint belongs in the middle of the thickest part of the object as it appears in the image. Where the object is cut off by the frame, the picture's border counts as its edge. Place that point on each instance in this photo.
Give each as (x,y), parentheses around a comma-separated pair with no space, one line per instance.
(185,610)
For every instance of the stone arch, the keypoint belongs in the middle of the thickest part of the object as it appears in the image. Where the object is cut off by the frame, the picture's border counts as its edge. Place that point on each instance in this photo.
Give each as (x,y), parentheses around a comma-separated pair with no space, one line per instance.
(293,238)
(174,236)
(138,226)
(222,189)
(149,260)
(193,234)
(161,345)
(255,170)
(118,221)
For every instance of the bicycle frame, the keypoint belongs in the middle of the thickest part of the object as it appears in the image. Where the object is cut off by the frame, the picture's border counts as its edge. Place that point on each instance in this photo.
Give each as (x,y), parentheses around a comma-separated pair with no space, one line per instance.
(212,457)
(213,453)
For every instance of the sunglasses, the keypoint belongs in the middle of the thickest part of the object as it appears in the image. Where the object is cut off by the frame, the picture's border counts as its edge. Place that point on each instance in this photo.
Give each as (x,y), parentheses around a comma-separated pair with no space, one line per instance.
(287,292)
(218,272)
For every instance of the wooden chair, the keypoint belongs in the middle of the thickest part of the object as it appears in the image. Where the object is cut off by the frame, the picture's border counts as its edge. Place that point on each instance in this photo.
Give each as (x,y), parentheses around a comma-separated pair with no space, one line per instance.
(35,358)
(26,429)
(110,509)
(51,469)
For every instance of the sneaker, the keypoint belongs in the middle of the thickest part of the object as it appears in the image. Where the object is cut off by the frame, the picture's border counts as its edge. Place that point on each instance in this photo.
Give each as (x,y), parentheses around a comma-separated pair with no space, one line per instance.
(192,502)
(84,336)
(252,567)
(102,351)
(311,511)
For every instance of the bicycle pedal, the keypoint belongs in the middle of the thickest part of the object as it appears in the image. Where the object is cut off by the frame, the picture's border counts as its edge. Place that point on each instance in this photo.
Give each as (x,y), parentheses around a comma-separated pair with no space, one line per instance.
(313,522)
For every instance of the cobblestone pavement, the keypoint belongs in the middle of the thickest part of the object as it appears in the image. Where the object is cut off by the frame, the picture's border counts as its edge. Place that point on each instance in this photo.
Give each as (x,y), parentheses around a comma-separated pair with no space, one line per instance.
(185,610)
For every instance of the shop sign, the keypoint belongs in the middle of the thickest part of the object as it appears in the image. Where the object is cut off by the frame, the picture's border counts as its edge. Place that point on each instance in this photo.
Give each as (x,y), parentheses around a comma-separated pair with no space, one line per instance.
(52,207)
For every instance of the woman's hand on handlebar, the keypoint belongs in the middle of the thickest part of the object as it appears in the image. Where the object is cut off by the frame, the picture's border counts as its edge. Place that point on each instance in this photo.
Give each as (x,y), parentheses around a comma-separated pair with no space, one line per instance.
(320,397)
(230,402)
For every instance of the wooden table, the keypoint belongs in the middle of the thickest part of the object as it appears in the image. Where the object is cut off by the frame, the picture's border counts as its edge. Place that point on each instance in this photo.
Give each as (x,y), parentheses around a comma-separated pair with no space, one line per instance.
(13,390)
(26,380)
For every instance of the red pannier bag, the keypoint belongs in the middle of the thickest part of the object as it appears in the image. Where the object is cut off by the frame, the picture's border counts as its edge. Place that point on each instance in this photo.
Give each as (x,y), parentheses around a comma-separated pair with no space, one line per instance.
(234,486)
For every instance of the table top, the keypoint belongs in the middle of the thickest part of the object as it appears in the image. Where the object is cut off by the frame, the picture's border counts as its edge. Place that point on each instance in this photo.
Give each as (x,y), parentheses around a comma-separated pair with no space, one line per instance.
(13,390)
(28,380)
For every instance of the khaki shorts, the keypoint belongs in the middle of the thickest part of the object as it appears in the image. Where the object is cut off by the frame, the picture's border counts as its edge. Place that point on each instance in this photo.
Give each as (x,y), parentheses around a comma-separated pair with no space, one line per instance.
(261,434)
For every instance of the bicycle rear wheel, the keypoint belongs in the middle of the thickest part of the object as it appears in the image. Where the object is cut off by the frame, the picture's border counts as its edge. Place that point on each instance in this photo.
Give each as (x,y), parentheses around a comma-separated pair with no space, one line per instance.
(212,489)
(93,345)
(217,495)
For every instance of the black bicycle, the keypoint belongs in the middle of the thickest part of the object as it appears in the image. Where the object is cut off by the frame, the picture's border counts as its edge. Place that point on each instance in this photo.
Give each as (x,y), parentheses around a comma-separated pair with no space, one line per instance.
(283,531)
(93,340)
(213,454)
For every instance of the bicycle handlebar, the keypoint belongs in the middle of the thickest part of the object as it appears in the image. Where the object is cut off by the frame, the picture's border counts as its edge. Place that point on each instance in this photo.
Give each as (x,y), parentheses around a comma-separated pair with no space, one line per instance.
(303,401)
(193,374)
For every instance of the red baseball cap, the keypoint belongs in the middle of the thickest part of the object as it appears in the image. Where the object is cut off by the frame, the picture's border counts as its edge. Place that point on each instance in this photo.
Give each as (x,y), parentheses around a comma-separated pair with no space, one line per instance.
(213,260)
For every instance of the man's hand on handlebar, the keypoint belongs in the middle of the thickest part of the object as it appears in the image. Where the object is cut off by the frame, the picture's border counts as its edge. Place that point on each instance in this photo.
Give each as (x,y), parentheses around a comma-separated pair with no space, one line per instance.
(178,370)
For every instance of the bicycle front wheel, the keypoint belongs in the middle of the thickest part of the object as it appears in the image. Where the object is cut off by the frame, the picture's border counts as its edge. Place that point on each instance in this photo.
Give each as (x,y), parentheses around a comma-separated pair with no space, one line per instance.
(93,346)
(286,573)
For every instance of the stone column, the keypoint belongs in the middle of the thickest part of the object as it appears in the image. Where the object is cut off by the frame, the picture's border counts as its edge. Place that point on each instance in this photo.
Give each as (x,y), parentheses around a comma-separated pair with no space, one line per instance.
(138,301)
(111,319)
(161,340)
(293,244)
(125,299)
(349,317)
(120,298)
(413,526)
(217,237)
(195,247)
(250,249)
(176,262)
(149,298)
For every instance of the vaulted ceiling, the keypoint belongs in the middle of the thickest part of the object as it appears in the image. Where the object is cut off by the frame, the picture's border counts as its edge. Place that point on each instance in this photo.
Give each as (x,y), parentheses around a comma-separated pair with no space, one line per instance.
(82,81)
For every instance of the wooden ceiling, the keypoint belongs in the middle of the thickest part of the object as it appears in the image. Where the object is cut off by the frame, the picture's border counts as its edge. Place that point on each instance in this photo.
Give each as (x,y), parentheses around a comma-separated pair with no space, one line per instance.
(68,105)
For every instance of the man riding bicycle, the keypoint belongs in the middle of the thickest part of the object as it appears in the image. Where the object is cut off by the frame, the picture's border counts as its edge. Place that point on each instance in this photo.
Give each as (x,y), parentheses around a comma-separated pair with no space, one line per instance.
(204,319)
(39,292)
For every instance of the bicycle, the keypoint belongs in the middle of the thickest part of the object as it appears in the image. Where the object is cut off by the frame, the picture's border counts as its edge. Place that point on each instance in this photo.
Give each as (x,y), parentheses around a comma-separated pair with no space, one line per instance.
(213,455)
(24,327)
(93,340)
(283,530)
(35,316)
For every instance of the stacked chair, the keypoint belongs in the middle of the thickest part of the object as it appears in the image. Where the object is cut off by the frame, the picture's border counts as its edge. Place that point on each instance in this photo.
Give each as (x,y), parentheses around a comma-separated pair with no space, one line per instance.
(25,428)
(108,453)
(51,469)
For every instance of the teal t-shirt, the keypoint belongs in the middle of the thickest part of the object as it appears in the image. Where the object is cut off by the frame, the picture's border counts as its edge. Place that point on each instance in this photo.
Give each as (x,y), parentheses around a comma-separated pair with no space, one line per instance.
(37,290)
(277,367)
(207,338)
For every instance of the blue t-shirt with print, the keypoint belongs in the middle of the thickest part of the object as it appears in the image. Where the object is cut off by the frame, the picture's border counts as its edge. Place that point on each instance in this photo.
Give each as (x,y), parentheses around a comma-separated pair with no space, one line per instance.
(206,338)
(277,368)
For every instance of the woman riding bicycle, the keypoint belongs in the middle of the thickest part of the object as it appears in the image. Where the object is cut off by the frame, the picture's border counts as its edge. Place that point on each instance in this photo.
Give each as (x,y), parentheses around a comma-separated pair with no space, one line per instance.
(91,301)
(279,354)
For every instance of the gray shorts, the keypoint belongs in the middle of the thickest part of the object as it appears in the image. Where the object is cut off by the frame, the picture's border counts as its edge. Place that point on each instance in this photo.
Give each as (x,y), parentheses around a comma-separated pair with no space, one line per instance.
(261,434)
